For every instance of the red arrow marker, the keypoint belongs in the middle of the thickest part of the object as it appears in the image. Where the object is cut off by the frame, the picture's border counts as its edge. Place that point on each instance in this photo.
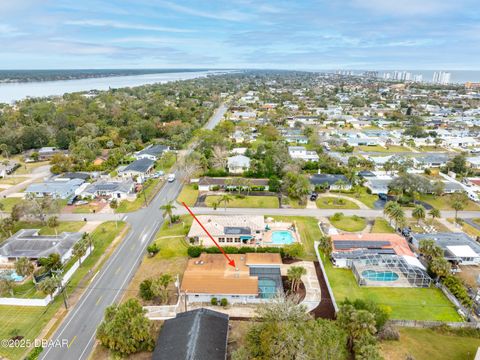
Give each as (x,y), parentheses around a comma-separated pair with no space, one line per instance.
(231,262)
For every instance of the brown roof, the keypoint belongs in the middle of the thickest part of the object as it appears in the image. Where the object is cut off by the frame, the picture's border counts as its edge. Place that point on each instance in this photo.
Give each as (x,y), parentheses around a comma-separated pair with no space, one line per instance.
(211,274)
(263,259)
(397,242)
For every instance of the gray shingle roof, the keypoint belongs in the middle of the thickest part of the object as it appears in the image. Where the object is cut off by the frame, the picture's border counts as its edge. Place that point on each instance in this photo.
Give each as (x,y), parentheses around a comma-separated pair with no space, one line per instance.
(155,150)
(140,165)
(28,243)
(194,335)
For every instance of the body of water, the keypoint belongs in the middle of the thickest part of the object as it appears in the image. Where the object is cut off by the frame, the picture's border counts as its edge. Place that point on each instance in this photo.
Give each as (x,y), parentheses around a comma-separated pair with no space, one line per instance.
(11,92)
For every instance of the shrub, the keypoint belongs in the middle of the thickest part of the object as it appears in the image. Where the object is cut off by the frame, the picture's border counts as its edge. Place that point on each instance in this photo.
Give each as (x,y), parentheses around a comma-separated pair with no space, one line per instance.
(214,301)
(195,251)
(388,333)
(455,286)
(195,186)
(337,216)
(369,191)
(223,302)
(146,292)
(293,251)
(153,249)
(174,218)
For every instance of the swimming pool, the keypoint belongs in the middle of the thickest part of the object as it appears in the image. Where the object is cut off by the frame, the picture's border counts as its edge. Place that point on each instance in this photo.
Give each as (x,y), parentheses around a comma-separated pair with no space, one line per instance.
(10,275)
(282,237)
(379,275)
(267,288)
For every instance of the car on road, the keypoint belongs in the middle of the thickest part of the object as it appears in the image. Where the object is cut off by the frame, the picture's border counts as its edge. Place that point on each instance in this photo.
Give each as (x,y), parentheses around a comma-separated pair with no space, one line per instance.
(313,196)
(171,178)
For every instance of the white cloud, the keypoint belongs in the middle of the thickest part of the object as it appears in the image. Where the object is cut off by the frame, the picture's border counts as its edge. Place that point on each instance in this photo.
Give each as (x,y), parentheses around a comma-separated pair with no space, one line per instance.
(124,25)
(231,15)
(406,7)
(9,31)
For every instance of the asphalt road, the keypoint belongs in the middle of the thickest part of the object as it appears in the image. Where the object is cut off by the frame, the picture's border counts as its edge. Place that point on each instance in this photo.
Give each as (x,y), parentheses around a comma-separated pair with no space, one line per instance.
(108,284)
(79,327)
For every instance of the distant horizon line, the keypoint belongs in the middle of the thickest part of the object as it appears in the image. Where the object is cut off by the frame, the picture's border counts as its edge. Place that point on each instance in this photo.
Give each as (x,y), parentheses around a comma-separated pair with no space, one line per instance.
(239,68)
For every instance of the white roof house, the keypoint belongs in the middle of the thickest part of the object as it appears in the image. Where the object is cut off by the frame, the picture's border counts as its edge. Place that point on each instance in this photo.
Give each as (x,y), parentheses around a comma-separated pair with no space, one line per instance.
(238,164)
(300,152)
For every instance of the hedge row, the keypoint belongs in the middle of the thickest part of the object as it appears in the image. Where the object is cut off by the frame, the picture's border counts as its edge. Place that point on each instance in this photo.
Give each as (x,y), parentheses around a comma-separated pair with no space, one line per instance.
(196,251)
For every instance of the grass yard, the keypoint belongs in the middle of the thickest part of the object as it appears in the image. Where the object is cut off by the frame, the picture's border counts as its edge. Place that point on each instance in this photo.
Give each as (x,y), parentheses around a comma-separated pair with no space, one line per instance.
(378,148)
(171,259)
(27,168)
(382,226)
(363,196)
(266,202)
(308,230)
(293,203)
(349,223)
(151,188)
(188,195)
(165,163)
(9,203)
(444,202)
(28,320)
(426,344)
(439,227)
(405,303)
(335,203)
(13,180)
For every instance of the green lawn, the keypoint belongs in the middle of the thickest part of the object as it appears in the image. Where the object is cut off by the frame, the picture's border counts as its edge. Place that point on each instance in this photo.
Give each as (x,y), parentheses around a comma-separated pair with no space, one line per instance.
(444,202)
(9,203)
(171,239)
(26,168)
(405,303)
(428,344)
(266,202)
(382,226)
(335,203)
(188,195)
(293,203)
(349,223)
(151,188)
(166,162)
(363,196)
(31,320)
(308,230)
(13,180)
(378,148)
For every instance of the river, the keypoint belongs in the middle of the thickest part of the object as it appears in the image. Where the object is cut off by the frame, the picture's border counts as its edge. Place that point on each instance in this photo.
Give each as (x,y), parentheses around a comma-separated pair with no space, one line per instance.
(11,92)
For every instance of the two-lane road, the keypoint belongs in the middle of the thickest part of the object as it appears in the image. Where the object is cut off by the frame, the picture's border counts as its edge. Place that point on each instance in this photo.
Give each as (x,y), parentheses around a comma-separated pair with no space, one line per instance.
(78,328)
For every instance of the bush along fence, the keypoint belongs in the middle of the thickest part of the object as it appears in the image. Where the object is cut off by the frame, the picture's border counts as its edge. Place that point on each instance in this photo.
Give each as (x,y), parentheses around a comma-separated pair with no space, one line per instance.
(324,273)
(47,299)
(196,251)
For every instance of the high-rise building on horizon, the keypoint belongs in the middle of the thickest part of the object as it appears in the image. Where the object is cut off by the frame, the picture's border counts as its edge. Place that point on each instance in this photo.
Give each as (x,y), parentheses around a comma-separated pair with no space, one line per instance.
(441,77)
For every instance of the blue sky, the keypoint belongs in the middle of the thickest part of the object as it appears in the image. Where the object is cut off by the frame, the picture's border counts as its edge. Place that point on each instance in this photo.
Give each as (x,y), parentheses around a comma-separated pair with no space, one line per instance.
(298,34)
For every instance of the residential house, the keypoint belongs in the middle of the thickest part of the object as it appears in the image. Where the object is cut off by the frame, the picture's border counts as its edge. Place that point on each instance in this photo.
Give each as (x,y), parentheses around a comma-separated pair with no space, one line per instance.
(378,184)
(57,189)
(228,230)
(109,189)
(255,278)
(458,247)
(331,181)
(238,164)
(152,152)
(47,153)
(430,160)
(28,243)
(210,183)
(300,152)
(207,336)
(139,169)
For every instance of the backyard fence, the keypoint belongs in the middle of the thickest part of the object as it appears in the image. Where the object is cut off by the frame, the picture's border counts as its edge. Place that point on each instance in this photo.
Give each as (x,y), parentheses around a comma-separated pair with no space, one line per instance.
(432,324)
(47,299)
(325,277)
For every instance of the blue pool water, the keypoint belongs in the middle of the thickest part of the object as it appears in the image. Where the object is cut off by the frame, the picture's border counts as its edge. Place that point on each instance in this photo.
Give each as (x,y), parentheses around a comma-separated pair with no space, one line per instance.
(380,275)
(10,275)
(282,237)
(267,288)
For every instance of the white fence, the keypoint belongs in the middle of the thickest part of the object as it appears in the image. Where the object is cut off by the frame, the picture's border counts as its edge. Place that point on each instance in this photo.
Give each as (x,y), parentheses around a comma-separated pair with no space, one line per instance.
(47,299)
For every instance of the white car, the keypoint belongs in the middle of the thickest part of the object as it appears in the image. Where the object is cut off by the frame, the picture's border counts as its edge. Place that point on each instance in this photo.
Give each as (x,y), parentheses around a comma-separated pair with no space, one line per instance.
(171,178)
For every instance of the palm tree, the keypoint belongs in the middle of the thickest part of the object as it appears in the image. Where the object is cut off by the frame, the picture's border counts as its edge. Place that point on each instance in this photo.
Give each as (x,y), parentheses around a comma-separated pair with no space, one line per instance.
(53,223)
(80,249)
(294,274)
(418,213)
(459,202)
(225,199)
(24,267)
(435,214)
(168,211)
(394,212)
(114,206)
(325,245)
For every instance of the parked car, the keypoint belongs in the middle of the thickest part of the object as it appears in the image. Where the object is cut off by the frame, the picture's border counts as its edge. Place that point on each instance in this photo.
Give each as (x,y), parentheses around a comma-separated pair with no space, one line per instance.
(313,196)
(171,177)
